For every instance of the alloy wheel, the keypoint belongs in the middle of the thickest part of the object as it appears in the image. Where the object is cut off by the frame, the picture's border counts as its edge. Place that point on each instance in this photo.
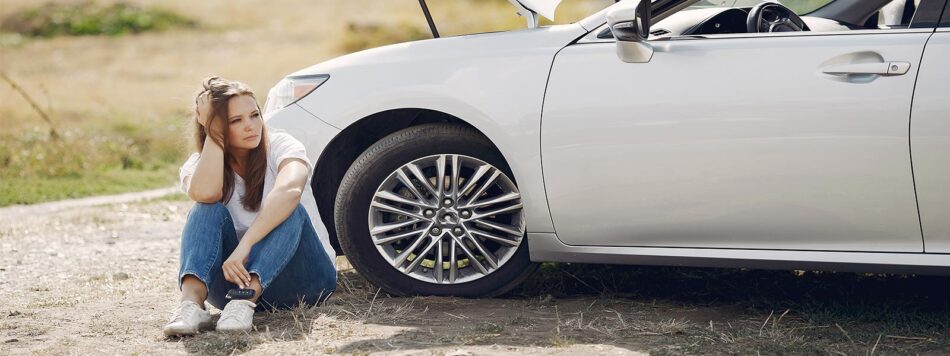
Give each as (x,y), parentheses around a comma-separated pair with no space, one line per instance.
(447,219)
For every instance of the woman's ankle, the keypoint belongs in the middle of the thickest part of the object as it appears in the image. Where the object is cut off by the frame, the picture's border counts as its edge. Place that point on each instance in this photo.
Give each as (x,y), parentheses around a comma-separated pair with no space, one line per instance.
(256,286)
(194,299)
(193,289)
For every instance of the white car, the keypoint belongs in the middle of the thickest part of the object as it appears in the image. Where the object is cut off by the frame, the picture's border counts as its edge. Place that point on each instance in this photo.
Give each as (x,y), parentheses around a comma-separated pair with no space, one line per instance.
(707,134)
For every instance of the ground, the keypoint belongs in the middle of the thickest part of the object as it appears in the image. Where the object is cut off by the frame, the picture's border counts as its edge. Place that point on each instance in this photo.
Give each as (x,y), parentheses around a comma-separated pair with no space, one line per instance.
(98,277)
(78,279)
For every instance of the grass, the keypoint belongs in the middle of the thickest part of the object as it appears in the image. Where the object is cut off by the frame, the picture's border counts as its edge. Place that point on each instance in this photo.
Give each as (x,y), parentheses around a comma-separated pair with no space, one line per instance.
(90,18)
(35,190)
(662,311)
(778,311)
(561,309)
(37,166)
(121,103)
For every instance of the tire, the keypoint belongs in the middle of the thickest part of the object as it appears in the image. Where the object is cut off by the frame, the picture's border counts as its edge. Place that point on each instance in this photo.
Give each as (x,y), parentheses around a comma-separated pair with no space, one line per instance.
(365,200)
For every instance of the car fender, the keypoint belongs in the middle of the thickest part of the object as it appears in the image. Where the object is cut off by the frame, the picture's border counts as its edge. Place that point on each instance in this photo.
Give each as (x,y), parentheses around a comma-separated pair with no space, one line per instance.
(495,82)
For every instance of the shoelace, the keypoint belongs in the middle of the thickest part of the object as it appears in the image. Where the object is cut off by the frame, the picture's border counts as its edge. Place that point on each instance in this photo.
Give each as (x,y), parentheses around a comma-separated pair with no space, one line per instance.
(182,310)
(235,312)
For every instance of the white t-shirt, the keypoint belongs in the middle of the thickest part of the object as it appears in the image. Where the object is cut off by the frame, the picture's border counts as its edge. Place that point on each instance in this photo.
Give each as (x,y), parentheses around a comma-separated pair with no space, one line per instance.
(281,146)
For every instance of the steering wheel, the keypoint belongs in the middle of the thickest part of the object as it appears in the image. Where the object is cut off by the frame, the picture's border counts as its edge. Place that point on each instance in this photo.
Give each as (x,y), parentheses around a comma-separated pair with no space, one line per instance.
(773,17)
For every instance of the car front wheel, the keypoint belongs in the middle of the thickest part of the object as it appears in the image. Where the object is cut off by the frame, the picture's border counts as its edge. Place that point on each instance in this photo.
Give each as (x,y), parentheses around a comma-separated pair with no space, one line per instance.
(433,210)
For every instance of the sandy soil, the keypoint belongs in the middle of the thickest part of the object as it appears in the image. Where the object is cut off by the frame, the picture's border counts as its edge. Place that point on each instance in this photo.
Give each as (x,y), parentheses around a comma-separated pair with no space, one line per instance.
(101,280)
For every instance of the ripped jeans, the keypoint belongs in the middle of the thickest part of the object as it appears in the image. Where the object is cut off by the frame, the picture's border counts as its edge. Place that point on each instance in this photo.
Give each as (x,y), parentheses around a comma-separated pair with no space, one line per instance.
(290,261)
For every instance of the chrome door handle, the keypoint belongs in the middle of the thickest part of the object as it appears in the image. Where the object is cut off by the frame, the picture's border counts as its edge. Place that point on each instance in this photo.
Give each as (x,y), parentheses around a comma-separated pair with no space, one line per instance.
(882,68)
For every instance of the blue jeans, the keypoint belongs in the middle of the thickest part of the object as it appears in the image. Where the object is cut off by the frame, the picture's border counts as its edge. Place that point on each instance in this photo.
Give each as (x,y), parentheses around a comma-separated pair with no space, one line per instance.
(290,261)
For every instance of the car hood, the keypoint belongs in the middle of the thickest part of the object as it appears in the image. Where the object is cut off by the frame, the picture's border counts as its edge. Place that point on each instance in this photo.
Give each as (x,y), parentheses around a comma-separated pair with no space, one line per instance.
(449,49)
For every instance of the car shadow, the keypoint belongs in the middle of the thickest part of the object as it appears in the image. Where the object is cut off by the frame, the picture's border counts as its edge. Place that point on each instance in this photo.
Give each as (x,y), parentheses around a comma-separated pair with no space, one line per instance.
(649,309)
(626,308)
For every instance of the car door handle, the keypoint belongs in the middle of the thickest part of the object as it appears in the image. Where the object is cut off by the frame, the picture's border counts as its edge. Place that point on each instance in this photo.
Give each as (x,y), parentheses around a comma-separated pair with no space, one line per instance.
(881,68)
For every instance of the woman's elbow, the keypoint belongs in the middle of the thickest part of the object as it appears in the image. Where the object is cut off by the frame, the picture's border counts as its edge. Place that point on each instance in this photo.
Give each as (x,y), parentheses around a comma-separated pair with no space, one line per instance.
(290,194)
(204,197)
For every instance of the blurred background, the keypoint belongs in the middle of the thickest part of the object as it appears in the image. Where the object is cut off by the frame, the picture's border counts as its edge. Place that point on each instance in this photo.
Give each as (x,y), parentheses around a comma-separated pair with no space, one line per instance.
(96,96)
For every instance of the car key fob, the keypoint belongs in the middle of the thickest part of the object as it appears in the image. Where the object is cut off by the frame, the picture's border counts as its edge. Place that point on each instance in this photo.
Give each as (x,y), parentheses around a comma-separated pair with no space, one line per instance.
(238,293)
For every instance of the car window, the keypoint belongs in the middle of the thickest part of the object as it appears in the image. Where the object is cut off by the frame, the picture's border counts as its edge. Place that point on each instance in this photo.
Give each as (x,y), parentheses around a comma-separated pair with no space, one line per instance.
(800,7)
(897,14)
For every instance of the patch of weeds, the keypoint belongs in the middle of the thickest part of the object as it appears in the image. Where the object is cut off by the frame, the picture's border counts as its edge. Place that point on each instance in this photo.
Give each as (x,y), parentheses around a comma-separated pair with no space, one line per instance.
(559,340)
(220,343)
(90,18)
(521,320)
(26,190)
(489,328)
(785,311)
(84,161)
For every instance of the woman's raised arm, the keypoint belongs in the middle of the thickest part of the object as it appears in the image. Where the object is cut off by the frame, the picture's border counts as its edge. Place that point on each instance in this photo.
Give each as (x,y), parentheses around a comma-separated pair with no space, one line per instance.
(204,186)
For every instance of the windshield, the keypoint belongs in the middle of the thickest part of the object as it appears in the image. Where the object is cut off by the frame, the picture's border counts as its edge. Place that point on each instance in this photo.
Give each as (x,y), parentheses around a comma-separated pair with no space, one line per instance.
(800,7)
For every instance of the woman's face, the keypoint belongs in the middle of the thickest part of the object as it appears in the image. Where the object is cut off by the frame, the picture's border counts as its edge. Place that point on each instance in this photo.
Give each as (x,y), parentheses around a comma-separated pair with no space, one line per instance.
(245,123)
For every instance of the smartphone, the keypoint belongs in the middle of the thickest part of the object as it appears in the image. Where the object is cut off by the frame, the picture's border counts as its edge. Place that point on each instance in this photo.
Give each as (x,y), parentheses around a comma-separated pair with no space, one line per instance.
(238,293)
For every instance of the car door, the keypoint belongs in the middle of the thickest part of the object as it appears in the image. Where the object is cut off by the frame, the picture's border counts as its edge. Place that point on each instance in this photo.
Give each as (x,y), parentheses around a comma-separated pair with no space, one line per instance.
(735,141)
(930,140)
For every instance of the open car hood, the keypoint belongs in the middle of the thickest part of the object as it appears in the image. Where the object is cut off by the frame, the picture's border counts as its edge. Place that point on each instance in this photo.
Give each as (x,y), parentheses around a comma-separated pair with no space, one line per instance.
(541,7)
(529,9)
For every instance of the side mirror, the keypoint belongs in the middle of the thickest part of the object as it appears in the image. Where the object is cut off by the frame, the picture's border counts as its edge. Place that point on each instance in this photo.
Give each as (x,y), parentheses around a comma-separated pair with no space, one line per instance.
(629,21)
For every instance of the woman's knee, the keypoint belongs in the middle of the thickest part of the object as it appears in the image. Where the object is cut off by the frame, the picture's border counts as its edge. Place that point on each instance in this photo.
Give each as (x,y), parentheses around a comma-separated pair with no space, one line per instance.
(208,212)
(297,219)
(300,213)
(208,208)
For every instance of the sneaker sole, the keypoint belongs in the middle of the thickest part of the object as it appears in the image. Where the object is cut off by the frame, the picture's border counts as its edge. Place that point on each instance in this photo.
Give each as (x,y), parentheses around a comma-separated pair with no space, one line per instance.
(205,326)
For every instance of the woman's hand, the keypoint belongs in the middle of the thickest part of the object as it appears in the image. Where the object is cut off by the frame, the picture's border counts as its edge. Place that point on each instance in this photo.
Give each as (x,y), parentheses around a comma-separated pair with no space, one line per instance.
(233,267)
(203,108)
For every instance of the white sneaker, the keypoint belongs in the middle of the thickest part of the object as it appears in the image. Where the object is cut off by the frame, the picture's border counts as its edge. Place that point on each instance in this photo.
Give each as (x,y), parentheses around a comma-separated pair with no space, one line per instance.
(238,315)
(188,319)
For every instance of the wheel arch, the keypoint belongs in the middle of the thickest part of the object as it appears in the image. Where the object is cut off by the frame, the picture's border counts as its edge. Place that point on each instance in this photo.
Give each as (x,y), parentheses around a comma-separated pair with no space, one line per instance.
(340,153)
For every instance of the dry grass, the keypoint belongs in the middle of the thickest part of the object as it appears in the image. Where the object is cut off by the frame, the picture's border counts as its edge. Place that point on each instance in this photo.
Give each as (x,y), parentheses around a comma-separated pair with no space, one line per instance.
(135,90)
(118,263)
(123,103)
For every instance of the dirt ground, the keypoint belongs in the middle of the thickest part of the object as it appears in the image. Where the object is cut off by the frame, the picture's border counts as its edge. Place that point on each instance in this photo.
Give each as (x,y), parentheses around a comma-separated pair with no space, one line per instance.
(101,280)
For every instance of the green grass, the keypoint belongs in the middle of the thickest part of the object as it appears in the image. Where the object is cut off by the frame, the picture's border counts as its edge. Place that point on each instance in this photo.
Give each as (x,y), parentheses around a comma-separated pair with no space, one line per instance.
(90,18)
(40,189)
(105,158)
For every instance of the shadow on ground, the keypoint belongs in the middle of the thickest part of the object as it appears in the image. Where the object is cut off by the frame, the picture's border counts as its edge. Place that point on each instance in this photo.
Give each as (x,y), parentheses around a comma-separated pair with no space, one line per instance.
(643,309)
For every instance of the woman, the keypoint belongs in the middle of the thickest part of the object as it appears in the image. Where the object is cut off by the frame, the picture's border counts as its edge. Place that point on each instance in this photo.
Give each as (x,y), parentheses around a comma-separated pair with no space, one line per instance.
(254,224)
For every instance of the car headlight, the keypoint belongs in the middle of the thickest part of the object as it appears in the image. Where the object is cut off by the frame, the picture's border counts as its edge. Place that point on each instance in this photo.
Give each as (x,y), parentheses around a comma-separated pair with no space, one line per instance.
(291,89)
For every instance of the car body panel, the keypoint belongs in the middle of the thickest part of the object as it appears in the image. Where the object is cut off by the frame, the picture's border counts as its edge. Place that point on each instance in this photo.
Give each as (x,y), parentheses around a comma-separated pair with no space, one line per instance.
(494,81)
(315,134)
(756,148)
(930,143)
(547,247)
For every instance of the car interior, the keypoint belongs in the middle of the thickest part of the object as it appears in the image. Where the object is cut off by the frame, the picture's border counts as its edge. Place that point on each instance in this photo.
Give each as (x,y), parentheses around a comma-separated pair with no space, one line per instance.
(772,16)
